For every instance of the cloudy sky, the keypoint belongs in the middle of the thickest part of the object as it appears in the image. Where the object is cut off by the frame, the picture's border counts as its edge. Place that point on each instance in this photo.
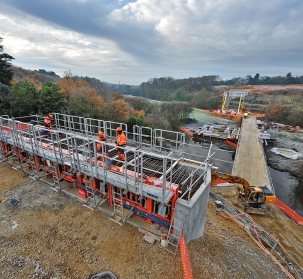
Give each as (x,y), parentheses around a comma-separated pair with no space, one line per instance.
(131,41)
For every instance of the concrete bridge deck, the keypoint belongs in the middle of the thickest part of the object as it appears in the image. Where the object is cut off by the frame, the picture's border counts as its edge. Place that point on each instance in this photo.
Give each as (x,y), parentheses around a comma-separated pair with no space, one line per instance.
(249,160)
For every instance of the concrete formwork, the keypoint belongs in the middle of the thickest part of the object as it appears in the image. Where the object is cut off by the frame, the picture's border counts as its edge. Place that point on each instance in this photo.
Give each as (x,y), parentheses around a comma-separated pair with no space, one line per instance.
(161,184)
(193,214)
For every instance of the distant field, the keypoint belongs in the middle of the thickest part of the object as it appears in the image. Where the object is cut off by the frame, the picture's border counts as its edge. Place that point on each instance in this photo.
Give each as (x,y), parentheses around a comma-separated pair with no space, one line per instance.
(277,87)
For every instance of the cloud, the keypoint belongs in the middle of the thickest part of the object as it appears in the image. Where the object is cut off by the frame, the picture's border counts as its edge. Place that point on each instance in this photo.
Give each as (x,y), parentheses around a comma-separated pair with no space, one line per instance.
(148,38)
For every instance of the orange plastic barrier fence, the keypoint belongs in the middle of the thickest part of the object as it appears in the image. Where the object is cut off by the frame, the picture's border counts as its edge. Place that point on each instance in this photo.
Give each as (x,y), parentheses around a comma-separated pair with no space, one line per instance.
(185,259)
(189,132)
(231,143)
(18,127)
(292,214)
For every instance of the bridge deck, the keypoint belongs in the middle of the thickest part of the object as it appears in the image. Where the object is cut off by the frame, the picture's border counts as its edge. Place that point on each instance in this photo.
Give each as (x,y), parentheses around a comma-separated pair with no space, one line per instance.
(249,161)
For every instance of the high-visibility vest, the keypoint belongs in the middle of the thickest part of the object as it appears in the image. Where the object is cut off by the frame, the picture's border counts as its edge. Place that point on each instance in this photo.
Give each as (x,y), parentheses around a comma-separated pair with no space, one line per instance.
(121,139)
(47,122)
(99,145)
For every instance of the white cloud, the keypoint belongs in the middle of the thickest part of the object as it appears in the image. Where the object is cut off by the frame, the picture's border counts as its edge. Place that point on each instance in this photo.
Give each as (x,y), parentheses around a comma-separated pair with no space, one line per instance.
(34,43)
(147,38)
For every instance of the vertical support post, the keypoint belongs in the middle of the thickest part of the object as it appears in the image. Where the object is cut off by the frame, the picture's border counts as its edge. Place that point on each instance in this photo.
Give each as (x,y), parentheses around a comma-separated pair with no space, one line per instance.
(110,194)
(240,103)
(149,209)
(207,160)
(164,181)
(36,158)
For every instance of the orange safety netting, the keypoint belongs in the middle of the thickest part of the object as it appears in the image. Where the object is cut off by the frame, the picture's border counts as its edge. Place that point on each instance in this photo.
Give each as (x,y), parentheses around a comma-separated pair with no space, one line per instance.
(189,132)
(292,214)
(231,143)
(185,259)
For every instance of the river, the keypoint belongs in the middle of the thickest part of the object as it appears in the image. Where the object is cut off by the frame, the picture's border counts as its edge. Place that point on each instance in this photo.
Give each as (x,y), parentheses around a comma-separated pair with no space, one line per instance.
(288,188)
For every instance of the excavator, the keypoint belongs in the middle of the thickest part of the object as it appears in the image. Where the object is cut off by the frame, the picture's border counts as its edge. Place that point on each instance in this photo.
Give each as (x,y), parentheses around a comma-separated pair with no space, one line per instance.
(253,197)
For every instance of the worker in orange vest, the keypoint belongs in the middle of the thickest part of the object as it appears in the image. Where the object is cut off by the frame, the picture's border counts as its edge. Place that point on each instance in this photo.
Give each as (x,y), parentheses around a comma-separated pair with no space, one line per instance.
(102,138)
(47,124)
(120,142)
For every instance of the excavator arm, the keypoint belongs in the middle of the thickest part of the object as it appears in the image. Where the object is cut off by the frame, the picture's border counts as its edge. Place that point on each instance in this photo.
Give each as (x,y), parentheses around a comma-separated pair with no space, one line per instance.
(254,198)
(232,179)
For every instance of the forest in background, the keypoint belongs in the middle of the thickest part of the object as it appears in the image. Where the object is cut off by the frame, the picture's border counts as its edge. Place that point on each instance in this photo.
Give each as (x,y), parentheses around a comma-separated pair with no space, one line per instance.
(31,92)
(38,92)
(24,92)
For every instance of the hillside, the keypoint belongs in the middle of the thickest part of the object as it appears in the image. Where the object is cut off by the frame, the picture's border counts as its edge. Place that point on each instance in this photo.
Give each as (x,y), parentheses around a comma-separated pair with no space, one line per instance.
(41,76)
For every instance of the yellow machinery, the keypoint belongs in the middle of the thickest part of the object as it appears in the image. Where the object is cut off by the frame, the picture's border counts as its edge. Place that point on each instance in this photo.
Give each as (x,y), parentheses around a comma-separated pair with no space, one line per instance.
(231,94)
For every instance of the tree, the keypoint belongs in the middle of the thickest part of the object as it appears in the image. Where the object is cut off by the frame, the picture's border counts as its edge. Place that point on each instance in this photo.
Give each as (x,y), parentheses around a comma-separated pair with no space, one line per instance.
(50,100)
(256,78)
(118,111)
(139,121)
(289,75)
(5,98)
(24,99)
(6,74)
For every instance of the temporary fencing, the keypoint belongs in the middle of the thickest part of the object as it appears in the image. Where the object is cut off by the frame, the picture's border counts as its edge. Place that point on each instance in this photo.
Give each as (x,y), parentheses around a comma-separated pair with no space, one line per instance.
(231,143)
(255,231)
(185,258)
(292,214)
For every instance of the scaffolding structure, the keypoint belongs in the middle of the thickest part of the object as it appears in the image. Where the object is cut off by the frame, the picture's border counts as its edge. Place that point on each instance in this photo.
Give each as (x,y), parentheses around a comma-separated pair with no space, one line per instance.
(156,175)
(231,94)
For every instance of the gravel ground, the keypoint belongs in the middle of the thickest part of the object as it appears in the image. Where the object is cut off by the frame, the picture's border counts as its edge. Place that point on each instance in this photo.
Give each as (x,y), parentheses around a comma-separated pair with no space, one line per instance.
(51,235)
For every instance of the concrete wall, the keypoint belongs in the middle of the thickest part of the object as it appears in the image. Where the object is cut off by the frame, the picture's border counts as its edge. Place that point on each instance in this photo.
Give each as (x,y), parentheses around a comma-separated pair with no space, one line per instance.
(193,214)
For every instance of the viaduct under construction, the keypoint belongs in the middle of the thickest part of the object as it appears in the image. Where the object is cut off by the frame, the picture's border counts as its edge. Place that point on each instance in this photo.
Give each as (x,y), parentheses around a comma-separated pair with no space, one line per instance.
(161,179)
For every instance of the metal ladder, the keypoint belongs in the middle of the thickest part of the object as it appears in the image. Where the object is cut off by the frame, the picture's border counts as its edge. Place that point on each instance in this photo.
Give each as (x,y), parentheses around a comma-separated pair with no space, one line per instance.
(17,164)
(91,200)
(118,214)
(34,174)
(173,236)
(2,155)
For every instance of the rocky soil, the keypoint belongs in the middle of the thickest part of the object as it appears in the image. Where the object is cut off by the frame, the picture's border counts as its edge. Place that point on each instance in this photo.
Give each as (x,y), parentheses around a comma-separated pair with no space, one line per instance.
(51,235)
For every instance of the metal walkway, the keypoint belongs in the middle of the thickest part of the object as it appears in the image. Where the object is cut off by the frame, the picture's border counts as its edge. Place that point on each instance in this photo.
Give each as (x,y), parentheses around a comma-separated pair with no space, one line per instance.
(156,172)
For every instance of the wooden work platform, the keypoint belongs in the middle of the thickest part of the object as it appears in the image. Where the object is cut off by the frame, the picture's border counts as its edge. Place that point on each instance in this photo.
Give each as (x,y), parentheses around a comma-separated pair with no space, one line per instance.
(249,160)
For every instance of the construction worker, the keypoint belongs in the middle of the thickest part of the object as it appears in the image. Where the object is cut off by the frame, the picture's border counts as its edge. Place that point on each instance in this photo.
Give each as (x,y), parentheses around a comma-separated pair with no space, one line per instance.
(47,124)
(102,137)
(120,142)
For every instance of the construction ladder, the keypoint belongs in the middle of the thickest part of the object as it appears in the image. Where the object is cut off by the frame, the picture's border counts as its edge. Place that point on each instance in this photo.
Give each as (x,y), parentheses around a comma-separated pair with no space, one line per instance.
(2,154)
(91,199)
(17,164)
(34,174)
(120,214)
(174,235)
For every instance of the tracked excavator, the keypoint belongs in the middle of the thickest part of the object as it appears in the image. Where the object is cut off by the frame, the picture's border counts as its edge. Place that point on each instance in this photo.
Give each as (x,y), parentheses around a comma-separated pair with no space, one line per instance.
(253,197)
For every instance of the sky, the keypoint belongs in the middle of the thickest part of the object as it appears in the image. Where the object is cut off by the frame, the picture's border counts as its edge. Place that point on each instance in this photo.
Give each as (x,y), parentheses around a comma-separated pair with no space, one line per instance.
(129,42)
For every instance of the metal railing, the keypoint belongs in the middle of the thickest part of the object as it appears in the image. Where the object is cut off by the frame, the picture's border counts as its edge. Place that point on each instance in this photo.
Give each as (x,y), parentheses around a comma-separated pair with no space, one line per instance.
(273,245)
(73,142)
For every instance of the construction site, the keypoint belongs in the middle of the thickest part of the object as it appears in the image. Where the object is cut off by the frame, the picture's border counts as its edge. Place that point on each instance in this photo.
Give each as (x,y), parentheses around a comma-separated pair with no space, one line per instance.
(70,211)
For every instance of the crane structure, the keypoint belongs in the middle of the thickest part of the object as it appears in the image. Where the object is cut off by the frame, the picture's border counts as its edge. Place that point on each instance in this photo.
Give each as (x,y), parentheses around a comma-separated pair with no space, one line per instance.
(231,94)
(158,180)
